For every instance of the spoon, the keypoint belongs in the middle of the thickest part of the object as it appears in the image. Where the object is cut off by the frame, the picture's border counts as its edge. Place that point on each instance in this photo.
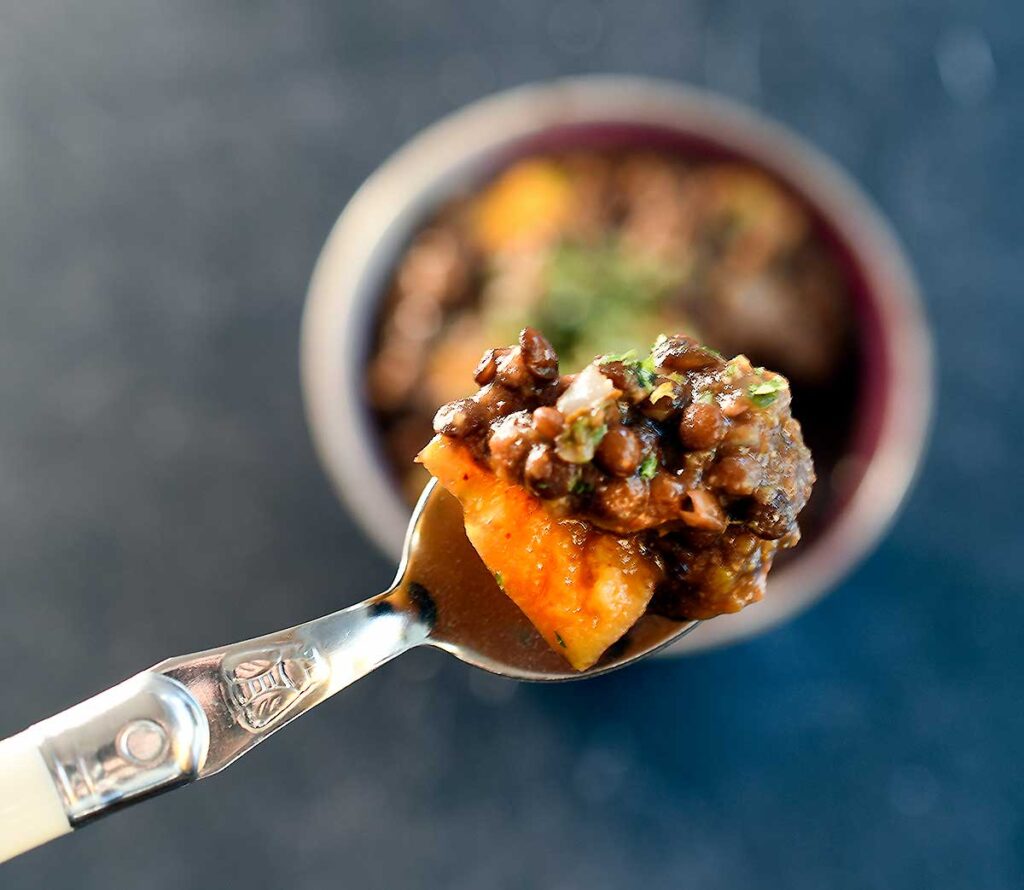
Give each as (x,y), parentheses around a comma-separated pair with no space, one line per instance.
(190,717)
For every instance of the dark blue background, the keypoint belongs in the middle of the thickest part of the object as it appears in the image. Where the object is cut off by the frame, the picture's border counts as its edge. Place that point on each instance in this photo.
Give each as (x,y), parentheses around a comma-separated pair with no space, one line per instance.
(168,172)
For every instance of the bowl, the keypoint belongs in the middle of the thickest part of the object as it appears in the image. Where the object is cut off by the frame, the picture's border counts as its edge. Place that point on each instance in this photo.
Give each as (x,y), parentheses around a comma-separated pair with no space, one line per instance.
(351,273)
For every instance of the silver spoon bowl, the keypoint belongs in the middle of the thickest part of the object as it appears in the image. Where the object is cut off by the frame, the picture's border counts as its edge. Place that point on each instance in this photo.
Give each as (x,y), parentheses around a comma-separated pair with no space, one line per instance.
(189,717)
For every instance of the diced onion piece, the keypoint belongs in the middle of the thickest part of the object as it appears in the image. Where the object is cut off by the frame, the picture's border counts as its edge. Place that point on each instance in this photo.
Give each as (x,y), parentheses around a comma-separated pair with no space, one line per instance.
(662,391)
(587,392)
(707,513)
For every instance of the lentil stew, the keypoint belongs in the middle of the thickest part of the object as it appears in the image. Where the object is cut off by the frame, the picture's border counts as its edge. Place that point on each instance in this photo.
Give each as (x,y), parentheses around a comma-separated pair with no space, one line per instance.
(602,249)
(690,466)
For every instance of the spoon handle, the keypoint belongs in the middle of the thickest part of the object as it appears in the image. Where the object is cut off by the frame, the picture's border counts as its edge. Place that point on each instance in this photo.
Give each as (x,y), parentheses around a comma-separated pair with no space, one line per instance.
(145,735)
(187,718)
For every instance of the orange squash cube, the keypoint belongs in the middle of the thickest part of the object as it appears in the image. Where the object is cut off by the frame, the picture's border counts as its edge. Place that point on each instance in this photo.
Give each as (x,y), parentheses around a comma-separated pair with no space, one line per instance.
(582,588)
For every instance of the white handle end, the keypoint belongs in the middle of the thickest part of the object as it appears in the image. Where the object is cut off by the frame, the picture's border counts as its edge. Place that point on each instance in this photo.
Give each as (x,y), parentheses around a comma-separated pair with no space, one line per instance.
(31,810)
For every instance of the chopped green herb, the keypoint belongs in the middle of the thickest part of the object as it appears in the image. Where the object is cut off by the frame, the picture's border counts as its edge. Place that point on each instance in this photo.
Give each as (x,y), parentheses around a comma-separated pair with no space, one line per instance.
(579,486)
(732,370)
(558,637)
(641,369)
(585,430)
(579,441)
(500,580)
(649,466)
(767,391)
(705,398)
(647,366)
(598,298)
(644,371)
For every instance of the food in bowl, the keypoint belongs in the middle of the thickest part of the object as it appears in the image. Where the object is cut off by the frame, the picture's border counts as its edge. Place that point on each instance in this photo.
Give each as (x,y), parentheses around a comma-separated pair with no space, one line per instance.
(602,250)
(866,421)
(667,482)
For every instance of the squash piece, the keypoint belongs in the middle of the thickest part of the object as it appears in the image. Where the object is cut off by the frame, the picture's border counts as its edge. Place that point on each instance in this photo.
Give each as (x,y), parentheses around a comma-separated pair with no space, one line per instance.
(528,205)
(582,588)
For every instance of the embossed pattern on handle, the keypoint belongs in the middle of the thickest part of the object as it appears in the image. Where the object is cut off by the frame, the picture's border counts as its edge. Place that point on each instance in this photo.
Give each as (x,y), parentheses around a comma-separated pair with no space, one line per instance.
(250,690)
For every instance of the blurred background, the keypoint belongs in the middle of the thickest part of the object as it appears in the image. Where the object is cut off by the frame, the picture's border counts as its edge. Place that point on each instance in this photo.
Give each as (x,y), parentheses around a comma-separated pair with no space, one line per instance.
(168,173)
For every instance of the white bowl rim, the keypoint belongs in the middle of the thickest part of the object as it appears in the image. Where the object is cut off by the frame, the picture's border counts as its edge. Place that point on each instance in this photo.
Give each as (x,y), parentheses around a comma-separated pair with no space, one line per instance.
(338,311)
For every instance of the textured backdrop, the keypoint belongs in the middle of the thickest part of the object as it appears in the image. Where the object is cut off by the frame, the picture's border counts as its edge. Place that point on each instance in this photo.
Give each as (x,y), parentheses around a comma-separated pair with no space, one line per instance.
(168,172)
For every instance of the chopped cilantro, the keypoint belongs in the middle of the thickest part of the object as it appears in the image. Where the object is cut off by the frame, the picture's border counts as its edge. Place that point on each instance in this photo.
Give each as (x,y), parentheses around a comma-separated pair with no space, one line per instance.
(641,369)
(705,398)
(579,441)
(558,637)
(598,297)
(580,486)
(647,366)
(649,466)
(765,392)
(585,431)
(644,371)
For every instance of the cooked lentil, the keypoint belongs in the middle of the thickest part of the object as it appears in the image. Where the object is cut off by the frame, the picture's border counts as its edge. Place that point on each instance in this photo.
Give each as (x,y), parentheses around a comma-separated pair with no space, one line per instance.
(696,456)
(601,250)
